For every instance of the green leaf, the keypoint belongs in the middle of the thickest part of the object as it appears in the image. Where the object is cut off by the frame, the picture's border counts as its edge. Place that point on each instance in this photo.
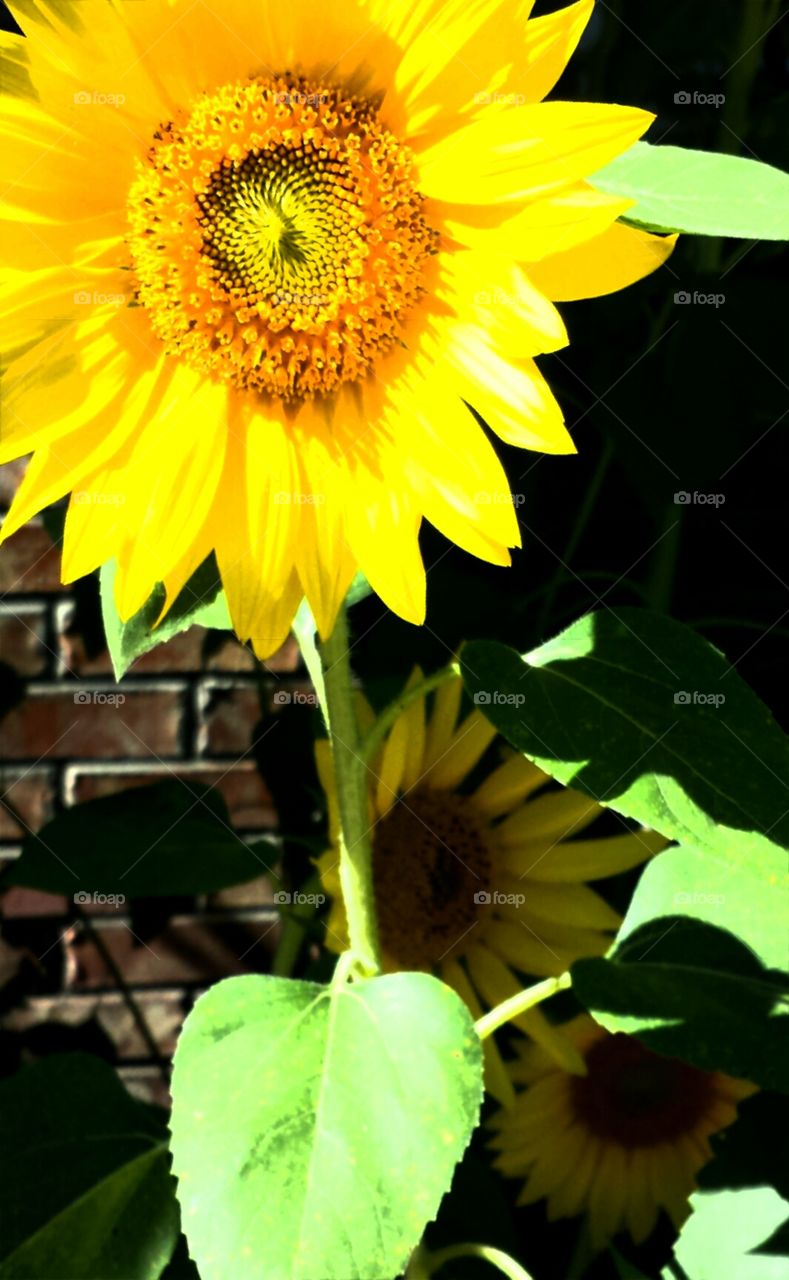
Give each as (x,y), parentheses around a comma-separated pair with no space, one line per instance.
(691,991)
(200,602)
(719,1238)
(164,839)
(87,1191)
(315,1129)
(700,192)
(738,891)
(618,706)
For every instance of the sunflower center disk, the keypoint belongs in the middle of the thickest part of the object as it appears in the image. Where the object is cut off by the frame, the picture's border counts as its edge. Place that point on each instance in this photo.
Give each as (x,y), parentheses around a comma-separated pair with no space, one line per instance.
(431,863)
(278,239)
(638,1098)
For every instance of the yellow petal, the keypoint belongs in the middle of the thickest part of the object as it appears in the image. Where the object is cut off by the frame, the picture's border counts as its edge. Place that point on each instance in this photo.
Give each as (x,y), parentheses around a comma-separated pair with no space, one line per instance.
(528,150)
(553,816)
(470,741)
(508,786)
(443,718)
(613,260)
(592,859)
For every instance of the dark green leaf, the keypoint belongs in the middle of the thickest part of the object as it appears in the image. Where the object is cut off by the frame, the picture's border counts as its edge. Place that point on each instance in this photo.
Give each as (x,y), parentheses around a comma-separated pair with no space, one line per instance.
(86,1189)
(168,838)
(618,706)
(315,1129)
(691,991)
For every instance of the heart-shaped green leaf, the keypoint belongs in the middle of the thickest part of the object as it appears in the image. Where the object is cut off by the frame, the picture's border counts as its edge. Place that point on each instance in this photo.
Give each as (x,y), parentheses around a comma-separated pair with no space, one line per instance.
(315,1129)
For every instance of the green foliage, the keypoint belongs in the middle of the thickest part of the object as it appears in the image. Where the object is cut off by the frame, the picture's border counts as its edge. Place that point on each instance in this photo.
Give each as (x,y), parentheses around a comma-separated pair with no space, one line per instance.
(167,838)
(618,706)
(84,1169)
(691,991)
(742,891)
(332,1166)
(200,602)
(724,1231)
(679,189)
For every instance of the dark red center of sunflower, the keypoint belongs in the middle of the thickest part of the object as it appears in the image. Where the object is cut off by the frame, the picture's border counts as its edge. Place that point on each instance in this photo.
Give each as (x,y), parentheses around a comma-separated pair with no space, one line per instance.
(638,1098)
(431,863)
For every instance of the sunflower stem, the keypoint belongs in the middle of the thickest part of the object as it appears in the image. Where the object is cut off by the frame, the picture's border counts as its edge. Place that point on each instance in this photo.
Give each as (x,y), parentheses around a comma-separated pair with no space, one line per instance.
(350,772)
(425,1264)
(389,714)
(519,1003)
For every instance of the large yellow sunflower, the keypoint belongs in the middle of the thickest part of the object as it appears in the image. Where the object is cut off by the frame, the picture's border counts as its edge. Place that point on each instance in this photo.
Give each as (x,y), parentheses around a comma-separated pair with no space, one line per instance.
(618,1144)
(259,254)
(478,879)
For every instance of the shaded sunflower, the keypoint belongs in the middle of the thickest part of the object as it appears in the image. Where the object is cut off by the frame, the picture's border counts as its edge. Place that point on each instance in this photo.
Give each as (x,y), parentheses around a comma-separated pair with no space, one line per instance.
(260,255)
(478,881)
(618,1144)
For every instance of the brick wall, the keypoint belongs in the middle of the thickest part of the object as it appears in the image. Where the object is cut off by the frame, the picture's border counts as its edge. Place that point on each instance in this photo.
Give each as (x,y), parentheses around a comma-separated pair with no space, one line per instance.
(190,710)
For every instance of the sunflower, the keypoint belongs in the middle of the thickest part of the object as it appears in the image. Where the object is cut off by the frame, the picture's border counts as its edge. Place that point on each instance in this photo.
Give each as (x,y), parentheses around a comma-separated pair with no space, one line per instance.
(259,255)
(618,1144)
(478,880)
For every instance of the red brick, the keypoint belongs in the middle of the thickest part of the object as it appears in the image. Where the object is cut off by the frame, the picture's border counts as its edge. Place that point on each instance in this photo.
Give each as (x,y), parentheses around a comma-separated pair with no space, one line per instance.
(229,712)
(23,637)
(31,795)
(186,951)
(244,791)
(228,715)
(11,474)
(19,902)
(29,562)
(52,722)
(233,656)
(180,655)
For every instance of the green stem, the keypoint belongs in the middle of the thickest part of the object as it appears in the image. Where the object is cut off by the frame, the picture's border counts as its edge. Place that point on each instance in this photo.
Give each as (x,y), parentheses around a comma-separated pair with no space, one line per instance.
(388,716)
(293,929)
(519,1003)
(350,774)
(425,1264)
